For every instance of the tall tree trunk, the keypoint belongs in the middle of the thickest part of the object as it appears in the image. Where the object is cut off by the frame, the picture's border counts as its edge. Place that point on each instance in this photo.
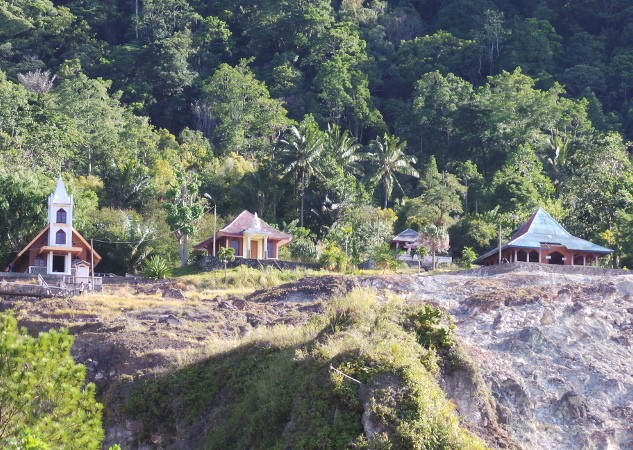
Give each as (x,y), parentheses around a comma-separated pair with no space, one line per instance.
(384,205)
(184,250)
(303,191)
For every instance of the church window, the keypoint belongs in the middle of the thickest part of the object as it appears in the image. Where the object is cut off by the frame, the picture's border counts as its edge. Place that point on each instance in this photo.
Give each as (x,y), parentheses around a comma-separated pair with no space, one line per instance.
(61,216)
(60,237)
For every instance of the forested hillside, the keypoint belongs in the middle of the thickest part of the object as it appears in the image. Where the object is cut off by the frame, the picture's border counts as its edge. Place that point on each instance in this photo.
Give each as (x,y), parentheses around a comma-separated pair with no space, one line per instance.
(334,120)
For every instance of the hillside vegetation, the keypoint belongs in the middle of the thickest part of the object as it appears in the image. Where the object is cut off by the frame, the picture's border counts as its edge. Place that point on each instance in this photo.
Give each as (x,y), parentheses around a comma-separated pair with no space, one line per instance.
(279,388)
(335,120)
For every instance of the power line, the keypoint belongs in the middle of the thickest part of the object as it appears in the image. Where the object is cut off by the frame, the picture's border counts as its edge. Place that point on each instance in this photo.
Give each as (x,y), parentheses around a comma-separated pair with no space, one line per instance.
(130,242)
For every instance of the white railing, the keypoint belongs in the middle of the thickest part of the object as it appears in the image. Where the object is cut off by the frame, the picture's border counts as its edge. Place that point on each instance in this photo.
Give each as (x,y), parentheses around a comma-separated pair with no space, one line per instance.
(41,281)
(73,280)
(427,259)
(68,279)
(37,270)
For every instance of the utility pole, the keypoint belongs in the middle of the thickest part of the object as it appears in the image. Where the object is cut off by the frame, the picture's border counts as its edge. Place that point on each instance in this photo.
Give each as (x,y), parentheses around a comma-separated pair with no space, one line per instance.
(499,242)
(136,21)
(215,219)
(92,262)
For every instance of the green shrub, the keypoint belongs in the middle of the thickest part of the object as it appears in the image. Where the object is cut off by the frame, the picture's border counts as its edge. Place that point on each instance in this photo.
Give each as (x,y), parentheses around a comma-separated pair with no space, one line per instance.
(333,258)
(156,267)
(44,402)
(468,256)
(433,327)
(302,247)
(386,258)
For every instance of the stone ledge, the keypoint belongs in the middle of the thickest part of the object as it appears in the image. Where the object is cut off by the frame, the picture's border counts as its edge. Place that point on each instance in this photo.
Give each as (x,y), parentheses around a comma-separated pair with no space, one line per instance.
(544,268)
(210,263)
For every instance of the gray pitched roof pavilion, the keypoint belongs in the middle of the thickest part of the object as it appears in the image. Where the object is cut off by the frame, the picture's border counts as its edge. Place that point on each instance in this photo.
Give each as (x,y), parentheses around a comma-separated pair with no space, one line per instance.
(407,235)
(542,231)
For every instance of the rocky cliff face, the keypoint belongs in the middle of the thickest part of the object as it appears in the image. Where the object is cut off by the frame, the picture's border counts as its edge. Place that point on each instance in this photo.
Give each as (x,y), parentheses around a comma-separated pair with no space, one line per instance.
(555,351)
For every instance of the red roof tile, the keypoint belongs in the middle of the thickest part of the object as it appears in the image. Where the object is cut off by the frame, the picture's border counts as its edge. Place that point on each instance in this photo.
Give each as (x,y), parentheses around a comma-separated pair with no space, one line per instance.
(246,221)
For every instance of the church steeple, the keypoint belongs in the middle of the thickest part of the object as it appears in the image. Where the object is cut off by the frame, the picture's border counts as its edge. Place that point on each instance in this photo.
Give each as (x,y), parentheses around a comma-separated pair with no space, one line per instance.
(60,215)
(60,195)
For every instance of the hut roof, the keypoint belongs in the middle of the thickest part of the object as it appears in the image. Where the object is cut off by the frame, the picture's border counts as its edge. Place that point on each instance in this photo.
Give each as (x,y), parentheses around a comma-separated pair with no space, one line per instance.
(247,222)
(542,230)
(407,235)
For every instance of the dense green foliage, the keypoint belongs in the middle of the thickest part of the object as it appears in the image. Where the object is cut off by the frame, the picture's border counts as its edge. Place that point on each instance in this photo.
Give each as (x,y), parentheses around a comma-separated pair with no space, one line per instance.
(44,401)
(280,390)
(311,111)
(386,258)
(156,267)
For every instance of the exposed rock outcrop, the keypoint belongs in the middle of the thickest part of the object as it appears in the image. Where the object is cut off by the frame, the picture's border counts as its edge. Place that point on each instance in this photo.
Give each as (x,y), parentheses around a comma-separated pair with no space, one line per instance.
(555,351)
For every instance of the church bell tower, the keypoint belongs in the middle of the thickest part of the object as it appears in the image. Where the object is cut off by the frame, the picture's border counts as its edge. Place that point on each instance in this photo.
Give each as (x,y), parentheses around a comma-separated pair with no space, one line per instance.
(60,234)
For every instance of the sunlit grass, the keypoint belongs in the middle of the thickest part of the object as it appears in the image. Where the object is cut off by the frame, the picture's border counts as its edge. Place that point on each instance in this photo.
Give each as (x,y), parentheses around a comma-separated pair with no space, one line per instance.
(240,279)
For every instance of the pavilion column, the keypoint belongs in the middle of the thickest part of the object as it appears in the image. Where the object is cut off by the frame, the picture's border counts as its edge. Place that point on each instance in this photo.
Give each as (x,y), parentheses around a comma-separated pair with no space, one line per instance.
(248,248)
(515,255)
(265,254)
(572,259)
(584,260)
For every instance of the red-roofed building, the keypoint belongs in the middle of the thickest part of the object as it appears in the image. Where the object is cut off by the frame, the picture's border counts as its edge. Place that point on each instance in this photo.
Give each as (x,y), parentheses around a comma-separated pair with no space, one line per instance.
(58,248)
(249,236)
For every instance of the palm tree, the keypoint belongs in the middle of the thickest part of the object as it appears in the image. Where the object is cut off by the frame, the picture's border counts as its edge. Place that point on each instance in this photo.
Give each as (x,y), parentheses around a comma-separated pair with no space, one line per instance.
(388,160)
(343,148)
(301,151)
(435,238)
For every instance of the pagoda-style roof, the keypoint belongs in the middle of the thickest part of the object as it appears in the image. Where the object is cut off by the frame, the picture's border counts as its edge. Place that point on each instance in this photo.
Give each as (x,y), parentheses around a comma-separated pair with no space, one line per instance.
(407,235)
(541,230)
(246,223)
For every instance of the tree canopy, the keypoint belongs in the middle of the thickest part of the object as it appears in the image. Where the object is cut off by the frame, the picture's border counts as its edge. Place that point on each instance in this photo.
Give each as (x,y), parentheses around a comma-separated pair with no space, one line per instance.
(518,104)
(43,397)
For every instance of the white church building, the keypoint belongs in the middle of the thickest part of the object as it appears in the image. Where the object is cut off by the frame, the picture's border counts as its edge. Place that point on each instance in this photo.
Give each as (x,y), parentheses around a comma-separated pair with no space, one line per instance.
(58,249)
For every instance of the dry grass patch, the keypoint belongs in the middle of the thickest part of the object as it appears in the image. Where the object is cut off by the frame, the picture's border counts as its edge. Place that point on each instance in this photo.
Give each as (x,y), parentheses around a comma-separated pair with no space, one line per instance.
(243,278)
(112,305)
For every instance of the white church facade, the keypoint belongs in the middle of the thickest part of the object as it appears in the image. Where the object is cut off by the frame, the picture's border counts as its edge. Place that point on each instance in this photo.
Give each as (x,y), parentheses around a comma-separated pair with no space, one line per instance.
(58,249)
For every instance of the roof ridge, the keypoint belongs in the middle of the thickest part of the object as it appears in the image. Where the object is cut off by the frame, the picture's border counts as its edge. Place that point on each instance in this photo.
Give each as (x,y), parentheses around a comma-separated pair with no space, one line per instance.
(234,219)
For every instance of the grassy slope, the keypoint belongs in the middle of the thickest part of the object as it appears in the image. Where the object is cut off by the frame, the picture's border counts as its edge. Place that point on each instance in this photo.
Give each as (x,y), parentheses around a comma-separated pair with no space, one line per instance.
(276,390)
(243,280)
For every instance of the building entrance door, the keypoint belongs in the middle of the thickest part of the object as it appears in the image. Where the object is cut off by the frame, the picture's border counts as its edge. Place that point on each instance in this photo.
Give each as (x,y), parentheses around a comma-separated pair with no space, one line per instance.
(556,258)
(59,263)
(254,250)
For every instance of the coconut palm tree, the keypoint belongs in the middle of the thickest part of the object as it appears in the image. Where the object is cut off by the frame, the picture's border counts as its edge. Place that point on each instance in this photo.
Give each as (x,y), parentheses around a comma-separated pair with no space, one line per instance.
(388,158)
(301,152)
(435,238)
(343,148)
